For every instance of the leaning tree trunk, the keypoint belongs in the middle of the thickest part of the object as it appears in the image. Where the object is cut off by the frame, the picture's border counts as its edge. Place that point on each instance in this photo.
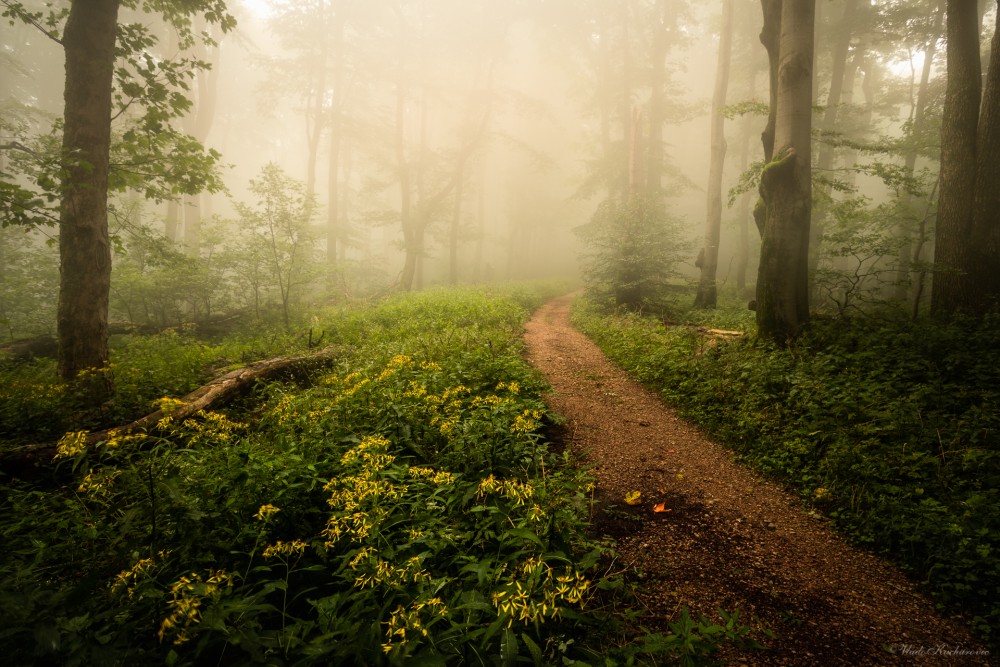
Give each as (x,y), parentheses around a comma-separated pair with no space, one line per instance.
(707,295)
(84,246)
(952,289)
(786,189)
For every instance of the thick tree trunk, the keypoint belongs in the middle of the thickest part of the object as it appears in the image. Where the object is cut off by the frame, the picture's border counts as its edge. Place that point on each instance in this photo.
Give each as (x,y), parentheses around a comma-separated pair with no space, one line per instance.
(953,290)
(770,37)
(707,295)
(84,247)
(786,189)
(984,271)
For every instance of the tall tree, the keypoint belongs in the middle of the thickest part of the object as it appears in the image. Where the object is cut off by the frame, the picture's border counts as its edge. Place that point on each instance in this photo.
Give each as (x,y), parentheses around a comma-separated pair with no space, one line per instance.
(84,245)
(707,290)
(785,184)
(108,69)
(965,253)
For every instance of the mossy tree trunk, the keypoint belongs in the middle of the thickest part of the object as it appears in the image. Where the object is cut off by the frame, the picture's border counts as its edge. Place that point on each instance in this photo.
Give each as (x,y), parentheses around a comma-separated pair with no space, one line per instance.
(786,189)
(84,245)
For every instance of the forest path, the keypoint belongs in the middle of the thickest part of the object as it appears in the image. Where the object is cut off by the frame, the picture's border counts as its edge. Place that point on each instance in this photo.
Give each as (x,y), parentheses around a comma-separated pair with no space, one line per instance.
(730,539)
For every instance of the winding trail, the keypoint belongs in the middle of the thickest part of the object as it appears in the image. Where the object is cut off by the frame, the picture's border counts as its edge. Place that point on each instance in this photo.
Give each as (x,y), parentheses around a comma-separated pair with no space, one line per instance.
(729,538)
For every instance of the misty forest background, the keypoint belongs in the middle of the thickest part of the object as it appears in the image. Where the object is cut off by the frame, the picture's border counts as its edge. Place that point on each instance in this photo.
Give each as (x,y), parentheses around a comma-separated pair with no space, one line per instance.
(347,210)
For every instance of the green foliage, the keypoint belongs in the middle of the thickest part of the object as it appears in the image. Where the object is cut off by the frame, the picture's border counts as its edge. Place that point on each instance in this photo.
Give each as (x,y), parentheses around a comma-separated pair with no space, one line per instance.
(403,509)
(150,92)
(28,280)
(633,248)
(278,251)
(888,427)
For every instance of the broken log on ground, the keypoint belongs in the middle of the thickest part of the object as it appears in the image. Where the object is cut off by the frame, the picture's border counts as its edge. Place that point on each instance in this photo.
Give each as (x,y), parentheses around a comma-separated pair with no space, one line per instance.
(21,461)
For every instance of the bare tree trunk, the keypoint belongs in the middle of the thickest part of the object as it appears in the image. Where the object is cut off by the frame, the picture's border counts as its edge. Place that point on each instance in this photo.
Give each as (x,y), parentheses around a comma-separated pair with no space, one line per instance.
(952,289)
(827,153)
(707,296)
(333,231)
(84,245)
(786,187)
(657,100)
(906,249)
(985,268)
(198,125)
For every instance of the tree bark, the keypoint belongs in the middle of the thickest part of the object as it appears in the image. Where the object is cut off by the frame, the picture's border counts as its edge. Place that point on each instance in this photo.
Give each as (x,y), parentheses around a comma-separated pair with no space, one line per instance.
(786,188)
(707,295)
(952,290)
(84,246)
(770,37)
(985,242)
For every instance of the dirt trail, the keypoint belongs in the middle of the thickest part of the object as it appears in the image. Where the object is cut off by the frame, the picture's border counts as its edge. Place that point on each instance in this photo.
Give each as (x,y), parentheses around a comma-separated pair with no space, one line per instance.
(730,539)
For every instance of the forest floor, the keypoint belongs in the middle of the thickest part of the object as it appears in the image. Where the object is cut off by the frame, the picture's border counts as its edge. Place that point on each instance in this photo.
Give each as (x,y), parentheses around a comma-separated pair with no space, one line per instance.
(728,538)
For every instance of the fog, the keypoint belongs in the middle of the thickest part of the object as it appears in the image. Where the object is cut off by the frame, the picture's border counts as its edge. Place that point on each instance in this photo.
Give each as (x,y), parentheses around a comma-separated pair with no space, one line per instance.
(480,134)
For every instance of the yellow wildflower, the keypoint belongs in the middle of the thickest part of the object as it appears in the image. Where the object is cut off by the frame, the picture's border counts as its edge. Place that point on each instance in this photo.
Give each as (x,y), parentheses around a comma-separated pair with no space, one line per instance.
(71,444)
(280,548)
(266,512)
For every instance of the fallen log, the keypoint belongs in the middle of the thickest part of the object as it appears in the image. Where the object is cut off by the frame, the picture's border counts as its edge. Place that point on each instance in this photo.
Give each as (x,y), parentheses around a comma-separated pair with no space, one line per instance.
(19,462)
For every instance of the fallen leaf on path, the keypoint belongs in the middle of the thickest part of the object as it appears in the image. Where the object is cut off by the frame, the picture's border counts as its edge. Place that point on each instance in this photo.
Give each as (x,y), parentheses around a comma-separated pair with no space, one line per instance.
(633,497)
(661,507)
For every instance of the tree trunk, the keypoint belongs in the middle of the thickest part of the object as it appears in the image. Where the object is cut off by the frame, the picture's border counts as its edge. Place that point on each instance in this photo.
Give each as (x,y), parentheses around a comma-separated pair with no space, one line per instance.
(786,189)
(827,153)
(707,295)
(657,101)
(952,289)
(333,230)
(198,125)
(984,271)
(770,37)
(84,246)
(906,249)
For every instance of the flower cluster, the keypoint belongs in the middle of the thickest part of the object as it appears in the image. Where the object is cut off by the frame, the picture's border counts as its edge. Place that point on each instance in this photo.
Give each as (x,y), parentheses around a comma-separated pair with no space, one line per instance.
(187,595)
(71,444)
(406,622)
(537,592)
(512,489)
(279,548)
(127,579)
(371,570)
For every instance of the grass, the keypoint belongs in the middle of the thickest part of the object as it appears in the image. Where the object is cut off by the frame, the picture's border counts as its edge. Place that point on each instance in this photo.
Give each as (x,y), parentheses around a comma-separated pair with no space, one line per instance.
(888,427)
(401,509)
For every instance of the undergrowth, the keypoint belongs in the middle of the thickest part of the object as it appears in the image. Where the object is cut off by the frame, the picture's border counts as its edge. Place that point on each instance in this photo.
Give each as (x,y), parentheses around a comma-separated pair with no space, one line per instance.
(888,427)
(402,509)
